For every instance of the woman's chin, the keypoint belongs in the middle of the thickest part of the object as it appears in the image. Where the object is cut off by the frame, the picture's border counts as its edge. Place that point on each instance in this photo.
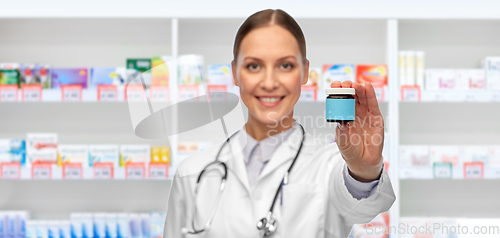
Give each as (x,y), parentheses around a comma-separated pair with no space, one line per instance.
(273,119)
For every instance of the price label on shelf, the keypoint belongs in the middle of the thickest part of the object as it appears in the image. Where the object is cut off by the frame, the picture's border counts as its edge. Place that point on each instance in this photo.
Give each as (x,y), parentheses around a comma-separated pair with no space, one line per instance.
(107,93)
(308,93)
(103,170)
(72,171)
(159,93)
(135,93)
(495,96)
(158,170)
(188,91)
(473,170)
(71,93)
(442,170)
(438,96)
(217,92)
(41,171)
(8,93)
(31,92)
(10,170)
(410,93)
(135,170)
(470,97)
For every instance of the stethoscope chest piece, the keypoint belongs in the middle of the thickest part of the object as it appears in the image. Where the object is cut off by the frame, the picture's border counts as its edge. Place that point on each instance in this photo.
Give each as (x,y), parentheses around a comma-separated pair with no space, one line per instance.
(267,227)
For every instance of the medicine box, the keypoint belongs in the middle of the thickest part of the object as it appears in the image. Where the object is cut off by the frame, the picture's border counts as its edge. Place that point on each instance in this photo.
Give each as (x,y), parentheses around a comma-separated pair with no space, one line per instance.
(492,68)
(160,70)
(73,154)
(375,74)
(470,79)
(43,74)
(474,154)
(9,73)
(440,79)
(104,76)
(414,156)
(494,156)
(314,78)
(13,150)
(69,76)
(104,154)
(160,154)
(420,68)
(41,148)
(141,66)
(338,72)
(445,154)
(220,74)
(135,154)
(27,74)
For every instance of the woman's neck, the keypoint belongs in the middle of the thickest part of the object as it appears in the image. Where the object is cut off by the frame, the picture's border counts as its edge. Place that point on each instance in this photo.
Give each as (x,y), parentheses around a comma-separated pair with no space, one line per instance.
(260,131)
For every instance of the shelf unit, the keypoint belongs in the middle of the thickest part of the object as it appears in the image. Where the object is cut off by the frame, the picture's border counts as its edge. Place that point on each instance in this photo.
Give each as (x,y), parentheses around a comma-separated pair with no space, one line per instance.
(372,34)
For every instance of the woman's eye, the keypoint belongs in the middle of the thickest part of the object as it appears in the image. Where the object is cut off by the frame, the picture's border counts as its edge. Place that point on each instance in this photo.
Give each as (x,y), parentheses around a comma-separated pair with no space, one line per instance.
(286,66)
(253,66)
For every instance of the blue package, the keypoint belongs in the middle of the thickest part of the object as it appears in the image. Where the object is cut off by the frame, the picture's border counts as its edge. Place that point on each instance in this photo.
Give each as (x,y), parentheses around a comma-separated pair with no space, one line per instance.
(69,76)
(104,76)
(340,110)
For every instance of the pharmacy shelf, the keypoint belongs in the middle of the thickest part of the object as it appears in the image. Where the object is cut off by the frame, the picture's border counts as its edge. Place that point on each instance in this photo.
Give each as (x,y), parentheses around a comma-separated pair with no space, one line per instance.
(458,96)
(427,173)
(55,199)
(450,198)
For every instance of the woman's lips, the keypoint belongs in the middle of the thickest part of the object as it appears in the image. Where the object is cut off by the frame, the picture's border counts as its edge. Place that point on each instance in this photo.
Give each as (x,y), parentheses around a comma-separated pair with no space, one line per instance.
(270,101)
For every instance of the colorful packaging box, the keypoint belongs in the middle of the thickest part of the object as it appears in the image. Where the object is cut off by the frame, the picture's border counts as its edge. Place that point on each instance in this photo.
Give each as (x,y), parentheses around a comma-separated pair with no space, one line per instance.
(27,74)
(337,72)
(220,74)
(440,79)
(123,224)
(141,66)
(99,225)
(160,154)
(375,74)
(157,221)
(160,71)
(190,69)
(41,148)
(69,76)
(104,154)
(43,75)
(73,154)
(9,73)
(492,67)
(111,225)
(13,150)
(104,76)
(135,154)
(314,78)
(414,156)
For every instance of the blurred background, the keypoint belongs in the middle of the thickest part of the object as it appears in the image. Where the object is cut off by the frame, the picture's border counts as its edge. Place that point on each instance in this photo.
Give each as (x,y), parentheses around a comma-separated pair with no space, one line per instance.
(70,160)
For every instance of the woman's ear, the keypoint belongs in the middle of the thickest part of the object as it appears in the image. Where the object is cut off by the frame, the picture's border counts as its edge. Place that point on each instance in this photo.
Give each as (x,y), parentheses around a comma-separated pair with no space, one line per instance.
(235,77)
(306,72)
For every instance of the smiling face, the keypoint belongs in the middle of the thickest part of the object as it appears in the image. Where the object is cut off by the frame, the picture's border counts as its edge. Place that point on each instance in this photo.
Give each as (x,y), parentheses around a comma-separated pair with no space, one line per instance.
(270,72)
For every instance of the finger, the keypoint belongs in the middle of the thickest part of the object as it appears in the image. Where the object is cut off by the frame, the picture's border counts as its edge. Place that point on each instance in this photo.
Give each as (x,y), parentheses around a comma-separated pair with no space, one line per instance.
(346,84)
(342,136)
(336,84)
(371,99)
(360,92)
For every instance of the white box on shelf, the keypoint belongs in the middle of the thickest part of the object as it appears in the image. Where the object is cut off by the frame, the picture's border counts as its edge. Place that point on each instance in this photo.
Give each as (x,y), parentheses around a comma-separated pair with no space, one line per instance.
(76,220)
(104,154)
(41,147)
(65,229)
(87,225)
(100,225)
(31,227)
(42,229)
(492,67)
(74,154)
(474,153)
(123,230)
(402,68)
(440,79)
(419,68)
(414,162)
(111,225)
(135,154)
(410,68)
(470,79)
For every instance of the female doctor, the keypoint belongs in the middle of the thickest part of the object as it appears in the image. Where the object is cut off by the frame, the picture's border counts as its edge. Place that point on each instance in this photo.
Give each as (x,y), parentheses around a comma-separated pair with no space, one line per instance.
(271,178)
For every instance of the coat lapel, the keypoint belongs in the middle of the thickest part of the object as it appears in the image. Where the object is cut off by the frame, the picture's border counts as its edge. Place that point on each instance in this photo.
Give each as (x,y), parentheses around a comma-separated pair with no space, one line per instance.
(233,157)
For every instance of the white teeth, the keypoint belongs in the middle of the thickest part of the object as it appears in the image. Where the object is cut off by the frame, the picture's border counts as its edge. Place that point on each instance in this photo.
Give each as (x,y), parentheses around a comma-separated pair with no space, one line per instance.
(270,100)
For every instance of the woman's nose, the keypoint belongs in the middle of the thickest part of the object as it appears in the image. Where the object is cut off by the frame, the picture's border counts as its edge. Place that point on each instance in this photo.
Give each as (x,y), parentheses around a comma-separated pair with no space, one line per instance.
(270,81)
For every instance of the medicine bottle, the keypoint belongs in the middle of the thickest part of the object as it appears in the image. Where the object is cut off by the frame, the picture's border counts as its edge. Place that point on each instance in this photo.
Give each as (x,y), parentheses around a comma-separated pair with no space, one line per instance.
(340,105)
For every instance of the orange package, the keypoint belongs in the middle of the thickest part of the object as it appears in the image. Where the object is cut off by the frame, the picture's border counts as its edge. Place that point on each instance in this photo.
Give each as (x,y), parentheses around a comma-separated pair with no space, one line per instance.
(375,74)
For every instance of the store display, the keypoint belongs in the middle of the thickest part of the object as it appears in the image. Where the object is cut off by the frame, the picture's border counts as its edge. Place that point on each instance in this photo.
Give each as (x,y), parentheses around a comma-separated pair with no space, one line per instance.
(160,71)
(160,154)
(12,224)
(27,74)
(41,148)
(470,79)
(492,67)
(220,74)
(140,66)
(69,76)
(436,79)
(104,154)
(414,156)
(43,74)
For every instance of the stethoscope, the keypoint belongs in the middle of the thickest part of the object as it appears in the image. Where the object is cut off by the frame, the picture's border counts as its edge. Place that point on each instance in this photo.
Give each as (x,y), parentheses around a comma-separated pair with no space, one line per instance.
(267,225)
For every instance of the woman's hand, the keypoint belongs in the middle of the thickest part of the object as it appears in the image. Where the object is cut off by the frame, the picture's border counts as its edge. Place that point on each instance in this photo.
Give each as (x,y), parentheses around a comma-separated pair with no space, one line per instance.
(361,142)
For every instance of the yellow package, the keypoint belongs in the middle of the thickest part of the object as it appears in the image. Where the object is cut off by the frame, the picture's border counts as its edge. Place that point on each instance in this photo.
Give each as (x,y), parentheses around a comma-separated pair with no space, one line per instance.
(160,154)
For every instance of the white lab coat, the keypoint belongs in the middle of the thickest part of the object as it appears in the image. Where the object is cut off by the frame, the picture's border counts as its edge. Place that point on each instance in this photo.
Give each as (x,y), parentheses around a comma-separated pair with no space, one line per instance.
(315,203)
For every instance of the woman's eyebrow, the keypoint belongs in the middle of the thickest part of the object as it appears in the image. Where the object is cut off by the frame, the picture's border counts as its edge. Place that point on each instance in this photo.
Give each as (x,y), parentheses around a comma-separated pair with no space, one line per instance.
(282,58)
